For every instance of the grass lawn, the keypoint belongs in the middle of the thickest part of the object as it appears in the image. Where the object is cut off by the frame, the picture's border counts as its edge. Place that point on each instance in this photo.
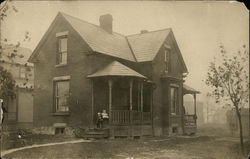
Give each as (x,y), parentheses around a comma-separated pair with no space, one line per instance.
(159,148)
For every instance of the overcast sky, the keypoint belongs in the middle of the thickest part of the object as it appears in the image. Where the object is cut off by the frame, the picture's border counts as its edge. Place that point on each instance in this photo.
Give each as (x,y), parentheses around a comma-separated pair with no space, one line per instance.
(199,27)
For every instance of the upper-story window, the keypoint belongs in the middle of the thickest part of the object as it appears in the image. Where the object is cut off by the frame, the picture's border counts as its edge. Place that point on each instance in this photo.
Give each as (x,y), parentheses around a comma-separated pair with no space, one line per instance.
(167,58)
(23,72)
(62,50)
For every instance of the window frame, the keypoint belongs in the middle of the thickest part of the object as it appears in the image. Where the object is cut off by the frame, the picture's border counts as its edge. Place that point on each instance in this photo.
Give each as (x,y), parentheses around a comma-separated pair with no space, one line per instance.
(175,99)
(22,70)
(59,56)
(167,56)
(56,96)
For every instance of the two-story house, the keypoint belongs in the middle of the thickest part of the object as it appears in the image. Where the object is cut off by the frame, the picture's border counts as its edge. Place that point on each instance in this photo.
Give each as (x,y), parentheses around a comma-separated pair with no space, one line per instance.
(19,110)
(82,69)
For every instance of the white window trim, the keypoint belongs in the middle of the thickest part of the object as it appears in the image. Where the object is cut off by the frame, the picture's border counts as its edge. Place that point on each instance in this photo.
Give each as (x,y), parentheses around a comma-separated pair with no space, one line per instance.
(64,33)
(61,78)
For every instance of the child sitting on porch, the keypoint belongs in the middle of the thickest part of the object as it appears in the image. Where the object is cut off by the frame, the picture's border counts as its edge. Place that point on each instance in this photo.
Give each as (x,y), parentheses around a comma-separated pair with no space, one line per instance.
(99,120)
(105,118)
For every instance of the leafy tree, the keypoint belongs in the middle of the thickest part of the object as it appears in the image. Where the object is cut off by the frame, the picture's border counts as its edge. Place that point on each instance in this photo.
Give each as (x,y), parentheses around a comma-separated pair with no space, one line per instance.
(7,82)
(229,79)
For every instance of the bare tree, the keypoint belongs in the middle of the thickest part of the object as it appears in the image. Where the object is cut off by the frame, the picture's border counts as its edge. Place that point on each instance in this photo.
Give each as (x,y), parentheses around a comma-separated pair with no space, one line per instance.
(230,81)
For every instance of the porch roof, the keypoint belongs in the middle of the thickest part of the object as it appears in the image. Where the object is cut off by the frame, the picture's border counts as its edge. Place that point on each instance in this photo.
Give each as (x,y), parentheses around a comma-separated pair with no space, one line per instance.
(115,68)
(189,90)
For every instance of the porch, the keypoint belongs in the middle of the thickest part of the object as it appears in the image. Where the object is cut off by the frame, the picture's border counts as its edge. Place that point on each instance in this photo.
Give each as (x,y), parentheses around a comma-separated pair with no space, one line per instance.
(190,120)
(127,98)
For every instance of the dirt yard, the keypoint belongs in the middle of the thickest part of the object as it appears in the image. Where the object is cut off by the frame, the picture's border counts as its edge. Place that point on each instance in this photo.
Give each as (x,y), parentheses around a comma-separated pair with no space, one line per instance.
(158,148)
(217,145)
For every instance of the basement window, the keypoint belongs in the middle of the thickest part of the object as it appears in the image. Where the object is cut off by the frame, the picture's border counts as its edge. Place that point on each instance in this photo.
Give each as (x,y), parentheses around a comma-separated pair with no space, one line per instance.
(174,130)
(59,131)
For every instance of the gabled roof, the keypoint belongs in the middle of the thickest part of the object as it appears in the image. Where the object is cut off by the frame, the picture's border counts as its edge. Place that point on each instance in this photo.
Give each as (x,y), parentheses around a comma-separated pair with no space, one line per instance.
(146,45)
(188,90)
(100,40)
(22,54)
(116,69)
(136,48)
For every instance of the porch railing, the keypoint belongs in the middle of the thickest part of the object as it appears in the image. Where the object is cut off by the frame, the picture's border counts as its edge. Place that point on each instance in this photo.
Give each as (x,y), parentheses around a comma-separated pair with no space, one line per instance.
(125,117)
(189,120)
(120,116)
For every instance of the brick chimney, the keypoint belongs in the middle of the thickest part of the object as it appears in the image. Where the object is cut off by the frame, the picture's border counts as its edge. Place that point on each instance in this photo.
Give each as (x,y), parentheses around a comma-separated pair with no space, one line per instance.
(106,22)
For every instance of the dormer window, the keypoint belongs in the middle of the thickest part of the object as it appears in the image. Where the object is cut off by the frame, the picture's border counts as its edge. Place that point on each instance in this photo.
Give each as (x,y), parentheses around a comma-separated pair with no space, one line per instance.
(62,48)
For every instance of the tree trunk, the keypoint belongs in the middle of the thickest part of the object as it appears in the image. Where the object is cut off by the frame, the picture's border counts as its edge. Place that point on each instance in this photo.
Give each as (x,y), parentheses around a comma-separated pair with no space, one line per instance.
(241,131)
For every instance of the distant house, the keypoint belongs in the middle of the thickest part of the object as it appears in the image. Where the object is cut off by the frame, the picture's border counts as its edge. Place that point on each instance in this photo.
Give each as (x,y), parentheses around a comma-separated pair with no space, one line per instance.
(82,69)
(233,122)
(19,111)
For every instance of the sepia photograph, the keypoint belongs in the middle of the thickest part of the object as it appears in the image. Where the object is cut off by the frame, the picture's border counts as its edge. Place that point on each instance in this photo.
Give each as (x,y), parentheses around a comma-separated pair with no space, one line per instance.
(124,80)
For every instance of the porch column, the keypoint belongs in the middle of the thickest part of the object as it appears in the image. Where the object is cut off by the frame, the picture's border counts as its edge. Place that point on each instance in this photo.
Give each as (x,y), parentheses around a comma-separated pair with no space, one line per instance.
(141,101)
(110,100)
(131,106)
(130,95)
(195,108)
(92,102)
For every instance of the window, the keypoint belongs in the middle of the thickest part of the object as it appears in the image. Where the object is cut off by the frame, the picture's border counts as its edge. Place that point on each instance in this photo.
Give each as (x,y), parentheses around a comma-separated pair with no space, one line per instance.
(167,60)
(173,99)
(23,73)
(62,50)
(62,96)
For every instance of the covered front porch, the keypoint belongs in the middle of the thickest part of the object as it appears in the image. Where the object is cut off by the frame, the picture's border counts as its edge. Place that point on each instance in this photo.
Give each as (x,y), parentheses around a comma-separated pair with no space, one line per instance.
(126,96)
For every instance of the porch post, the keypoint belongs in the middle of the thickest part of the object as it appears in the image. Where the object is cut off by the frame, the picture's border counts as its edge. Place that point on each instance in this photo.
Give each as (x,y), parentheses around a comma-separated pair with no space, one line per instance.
(130,95)
(195,108)
(131,106)
(141,100)
(110,100)
(92,102)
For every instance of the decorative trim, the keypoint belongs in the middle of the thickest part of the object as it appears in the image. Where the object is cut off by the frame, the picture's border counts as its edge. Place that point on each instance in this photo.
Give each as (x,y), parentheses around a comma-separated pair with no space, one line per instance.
(64,33)
(61,78)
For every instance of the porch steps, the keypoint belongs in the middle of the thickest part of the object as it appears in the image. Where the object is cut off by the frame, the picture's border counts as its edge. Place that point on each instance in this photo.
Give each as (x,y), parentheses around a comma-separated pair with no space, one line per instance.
(96,133)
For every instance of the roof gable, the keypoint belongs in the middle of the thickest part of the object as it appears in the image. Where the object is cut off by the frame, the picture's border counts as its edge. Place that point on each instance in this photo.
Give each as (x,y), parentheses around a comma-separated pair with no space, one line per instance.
(116,69)
(146,45)
(136,48)
(176,47)
(100,40)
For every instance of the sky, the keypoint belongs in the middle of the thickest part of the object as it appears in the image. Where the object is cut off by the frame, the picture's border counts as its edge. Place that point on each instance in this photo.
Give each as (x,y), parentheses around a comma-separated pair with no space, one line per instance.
(199,27)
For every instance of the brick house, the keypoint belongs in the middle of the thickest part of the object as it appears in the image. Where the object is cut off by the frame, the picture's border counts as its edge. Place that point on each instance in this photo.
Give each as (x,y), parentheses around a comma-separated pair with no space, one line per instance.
(82,69)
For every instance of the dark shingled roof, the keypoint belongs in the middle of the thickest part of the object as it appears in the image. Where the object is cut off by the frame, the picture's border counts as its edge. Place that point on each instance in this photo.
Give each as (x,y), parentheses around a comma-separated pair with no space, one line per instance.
(136,48)
(116,69)
(145,46)
(100,40)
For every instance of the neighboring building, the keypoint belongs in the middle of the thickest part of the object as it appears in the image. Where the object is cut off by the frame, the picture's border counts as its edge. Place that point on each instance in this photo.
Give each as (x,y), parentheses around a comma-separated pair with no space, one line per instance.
(82,69)
(233,122)
(19,111)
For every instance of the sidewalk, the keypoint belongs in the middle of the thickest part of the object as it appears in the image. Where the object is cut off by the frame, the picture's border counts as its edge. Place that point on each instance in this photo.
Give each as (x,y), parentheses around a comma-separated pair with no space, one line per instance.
(5,152)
